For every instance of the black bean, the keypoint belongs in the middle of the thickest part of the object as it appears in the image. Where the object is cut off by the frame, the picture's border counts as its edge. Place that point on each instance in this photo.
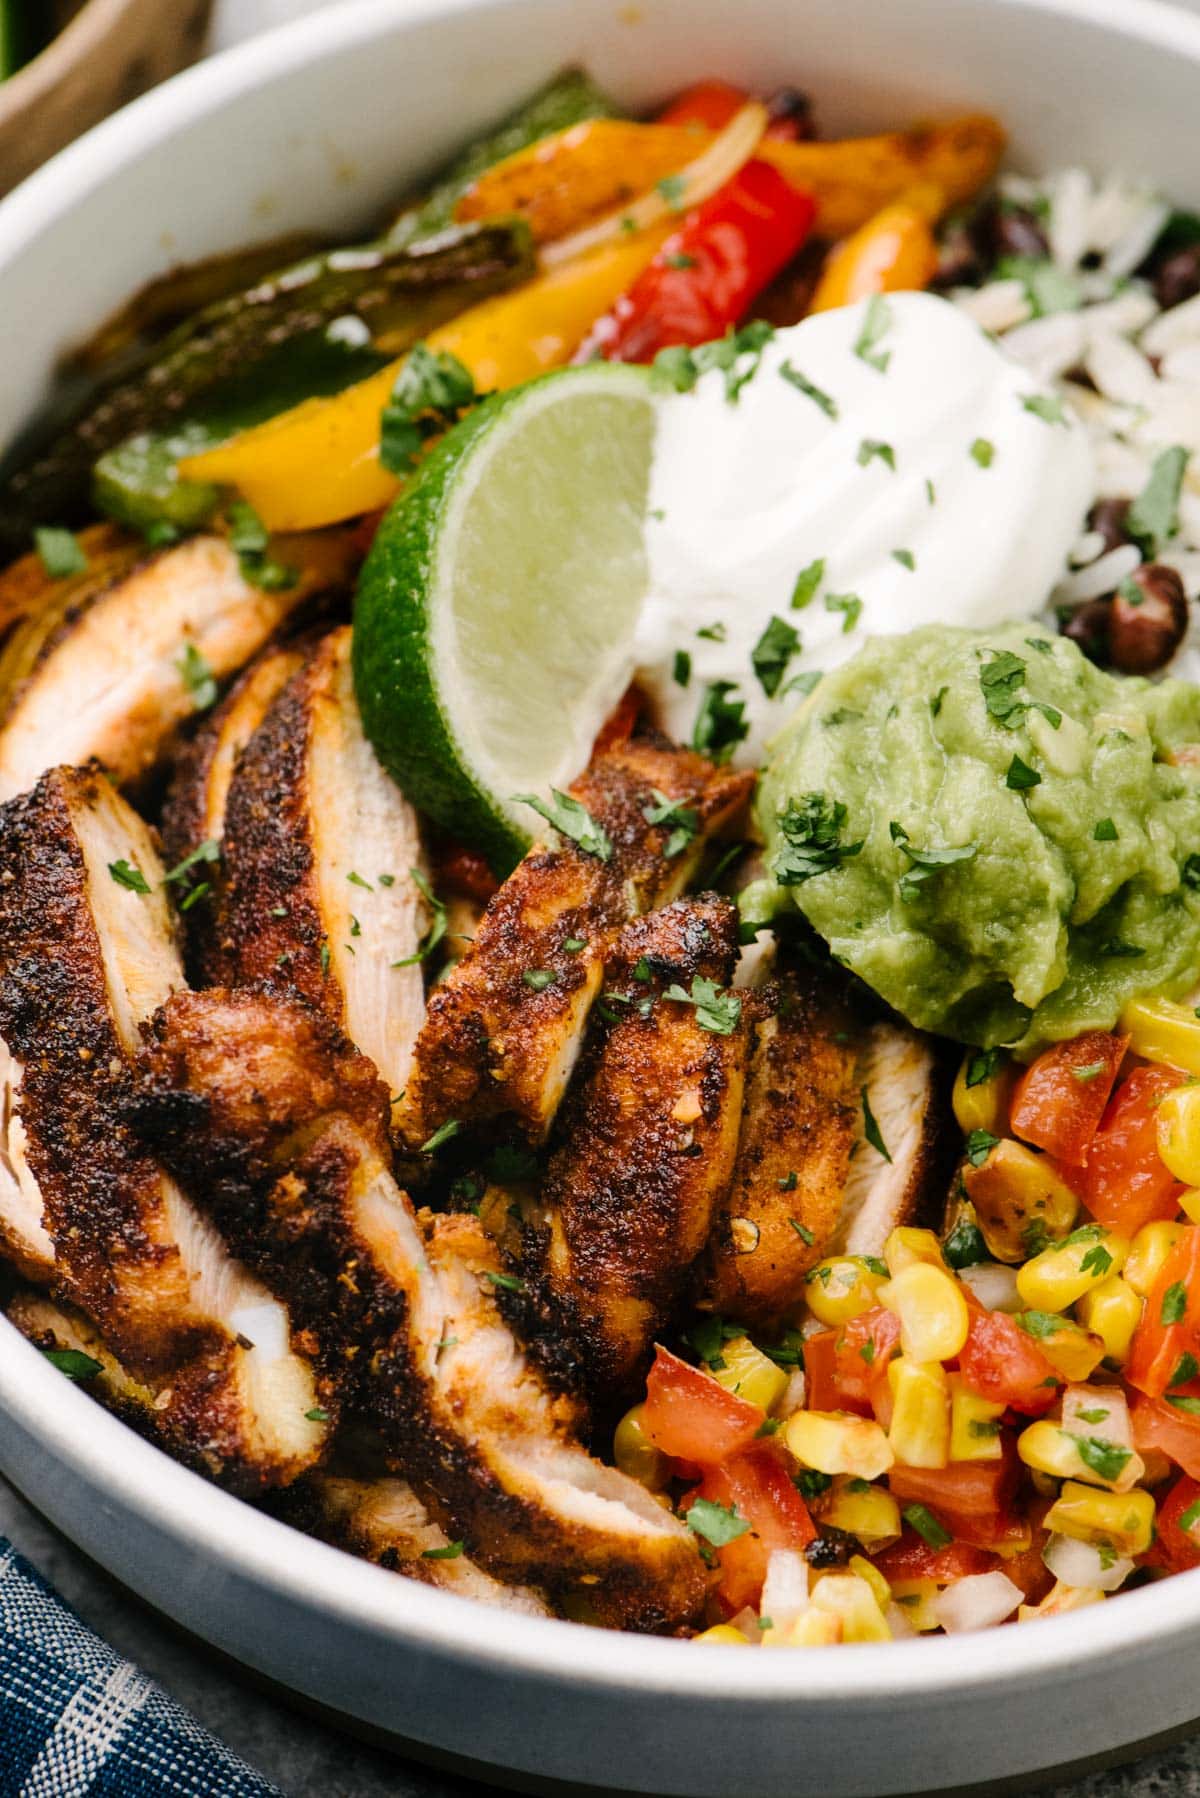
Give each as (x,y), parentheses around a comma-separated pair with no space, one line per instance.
(1148,621)
(1088,626)
(1177,277)
(832,1548)
(1108,517)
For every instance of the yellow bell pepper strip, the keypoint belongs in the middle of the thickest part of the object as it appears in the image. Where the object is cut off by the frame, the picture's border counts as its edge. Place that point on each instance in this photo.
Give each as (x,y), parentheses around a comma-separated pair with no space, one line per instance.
(892,252)
(319,463)
(567,181)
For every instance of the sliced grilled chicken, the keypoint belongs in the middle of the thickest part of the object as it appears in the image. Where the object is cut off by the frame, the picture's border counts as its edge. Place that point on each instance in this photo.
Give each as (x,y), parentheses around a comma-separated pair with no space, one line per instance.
(645,1144)
(87,952)
(210,1412)
(27,591)
(788,1190)
(112,675)
(319,851)
(405,1313)
(504,1030)
(383,1520)
(907,1088)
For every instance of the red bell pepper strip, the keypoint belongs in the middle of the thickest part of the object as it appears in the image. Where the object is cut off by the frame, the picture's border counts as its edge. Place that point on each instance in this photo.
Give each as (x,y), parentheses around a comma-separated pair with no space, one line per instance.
(691,1418)
(707,104)
(707,274)
(1165,1352)
(756,1485)
(1126,1184)
(1060,1099)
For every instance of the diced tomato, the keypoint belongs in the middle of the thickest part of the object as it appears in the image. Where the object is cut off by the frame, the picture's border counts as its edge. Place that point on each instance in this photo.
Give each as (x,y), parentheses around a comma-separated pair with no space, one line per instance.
(1026,1567)
(706,275)
(973,1498)
(689,1416)
(1061,1097)
(1176,1548)
(1157,1424)
(846,1369)
(1165,1352)
(821,1389)
(1126,1183)
(710,104)
(461,870)
(618,727)
(1002,1363)
(913,1558)
(759,1488)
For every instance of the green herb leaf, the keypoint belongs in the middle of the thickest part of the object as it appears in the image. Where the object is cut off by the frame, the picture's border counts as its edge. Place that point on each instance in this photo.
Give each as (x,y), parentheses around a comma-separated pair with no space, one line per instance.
(1186,1368)
(871,1128)
(871,449)
(965,1247)
(713,633)
(450,1552)
(441,1135)
(979,1146)
(811,1484)
(720,723)
(316,1415)
(506,1282)
(802,1230)
(714,1522)
(574,944)
(1046,406)
(876,323)
(439,920)
(684,822)
(59,551)
(570,819)
(197,677)
(1153,517)
(1021,776)
(1097,1261)
(982,1065)
(126,874)
(681,671)
(74,1363)
(810,391)
(538,978)
(811,828)
(1174,1304)
(983,452)
(430,393)
(849,604)
(999,680)
(927,1526)
(208,851)
(807,582)
(250,540)
(905,558)
(1183,1401)
(715,1011)
(1105,831)
(770,656)
(925,863)
(1104,1458)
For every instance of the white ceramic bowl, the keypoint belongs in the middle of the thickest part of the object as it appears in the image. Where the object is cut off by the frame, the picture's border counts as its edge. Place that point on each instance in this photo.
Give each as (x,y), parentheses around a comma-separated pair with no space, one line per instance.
(320,125)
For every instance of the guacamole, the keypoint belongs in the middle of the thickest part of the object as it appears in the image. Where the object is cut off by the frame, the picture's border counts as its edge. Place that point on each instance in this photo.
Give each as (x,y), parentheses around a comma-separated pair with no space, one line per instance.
(999,838)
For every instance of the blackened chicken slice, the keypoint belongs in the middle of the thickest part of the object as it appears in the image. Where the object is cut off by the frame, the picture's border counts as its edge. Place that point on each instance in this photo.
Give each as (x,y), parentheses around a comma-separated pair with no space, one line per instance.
(87,953)
(113,676)
(505,1028)
(788,1192)
(645,1145)
(404,1312)
(320,849)
(240,1415)
(383,1520)
(193,822)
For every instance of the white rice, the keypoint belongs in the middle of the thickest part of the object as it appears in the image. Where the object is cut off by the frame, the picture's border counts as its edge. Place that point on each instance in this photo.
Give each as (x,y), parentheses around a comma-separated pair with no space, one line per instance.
(1144,363)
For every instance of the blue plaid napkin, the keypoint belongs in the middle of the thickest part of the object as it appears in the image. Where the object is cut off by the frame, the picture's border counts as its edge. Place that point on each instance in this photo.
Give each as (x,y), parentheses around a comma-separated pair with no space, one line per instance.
(76,1721)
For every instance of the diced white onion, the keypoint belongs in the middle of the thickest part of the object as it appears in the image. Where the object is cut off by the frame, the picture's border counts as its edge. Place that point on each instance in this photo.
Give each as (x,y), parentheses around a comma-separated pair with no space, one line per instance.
(793,1394)
(994,1285)
(898,1621)
(1082,1564)
(1114,1427)
(716,164)
(785,1589)
(976,1602)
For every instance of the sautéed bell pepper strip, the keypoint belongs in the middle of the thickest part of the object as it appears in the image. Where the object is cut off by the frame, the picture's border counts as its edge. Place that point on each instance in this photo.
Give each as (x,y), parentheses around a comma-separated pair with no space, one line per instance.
(1062,1096)
(1126,1184)
(710,105)
(569,181)
(893,252)
(757,1486)
(1165,1353)
(709,271)
(319,463)
(691,1418)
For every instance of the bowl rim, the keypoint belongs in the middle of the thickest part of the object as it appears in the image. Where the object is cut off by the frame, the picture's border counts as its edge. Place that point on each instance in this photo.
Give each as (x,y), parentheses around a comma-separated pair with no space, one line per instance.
(132,1473)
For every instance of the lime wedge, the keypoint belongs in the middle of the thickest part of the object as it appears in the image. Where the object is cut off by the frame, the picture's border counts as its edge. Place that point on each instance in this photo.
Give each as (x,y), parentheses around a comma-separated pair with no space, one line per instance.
(495,615)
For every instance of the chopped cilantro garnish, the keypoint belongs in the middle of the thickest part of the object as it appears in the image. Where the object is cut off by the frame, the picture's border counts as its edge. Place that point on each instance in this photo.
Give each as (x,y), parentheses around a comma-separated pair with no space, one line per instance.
(807,582)
(197,677)
(979,1146)
(250,541)
(1174,1304)
(356,880)
(770,656)
(573,944)
(810,391)
(207,851)
(1153,517)
(876,322)
(74,1363)
(570,819)
(982,1065)
(438,923)
(318,1414)
(999,680)
(871,1128)
(681,670)
(931,493)
(905,558)
(802,1230)
(1021,776)
(538,978)
(679,367)
(431,392)
(1046,406)
(983,452)
(672,188)
(1183,1401)
(59,551)
(871,449)
(441,1135)
(683,821)
(717,1524)
(720,722)
(450,1552)
(965,1247)
(925,863)
(715,1011)
(811,828)
(1191,1517)
(810,1484)
(127,874)
(983,1427)
(506,1282)
(849,604)
(1105,831)
(1104,1458)
(713,633)
(1097,1261)
(927,1526)
(1186,1368)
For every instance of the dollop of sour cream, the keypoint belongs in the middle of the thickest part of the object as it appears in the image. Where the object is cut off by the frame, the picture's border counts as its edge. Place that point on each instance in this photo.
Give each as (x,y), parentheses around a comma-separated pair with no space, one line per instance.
(885,465)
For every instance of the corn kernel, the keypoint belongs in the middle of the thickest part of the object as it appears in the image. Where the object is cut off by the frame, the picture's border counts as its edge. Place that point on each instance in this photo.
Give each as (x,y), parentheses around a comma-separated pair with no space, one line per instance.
(1177,1126)
(920,1431)
(853,1601)
(933,1314)
(1061,1598)
(1111,1311)
(1124,1519)
(723,1633)
(1059,1277)
(867,1570)
(906,1245)
(974,1424)
(983,1106)
(916,1597)
(750,1373)
(868,1512)
(1189,1204)
(1072,1352)
(841,1287)
(636,1455)
(813,1628)
(1018,1197)
(1048,1448)
(1159,1030)
(1147,1252)
(834,1442)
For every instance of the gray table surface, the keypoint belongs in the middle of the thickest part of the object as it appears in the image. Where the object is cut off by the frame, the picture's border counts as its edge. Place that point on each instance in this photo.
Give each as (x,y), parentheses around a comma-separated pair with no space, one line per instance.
(305,1758)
